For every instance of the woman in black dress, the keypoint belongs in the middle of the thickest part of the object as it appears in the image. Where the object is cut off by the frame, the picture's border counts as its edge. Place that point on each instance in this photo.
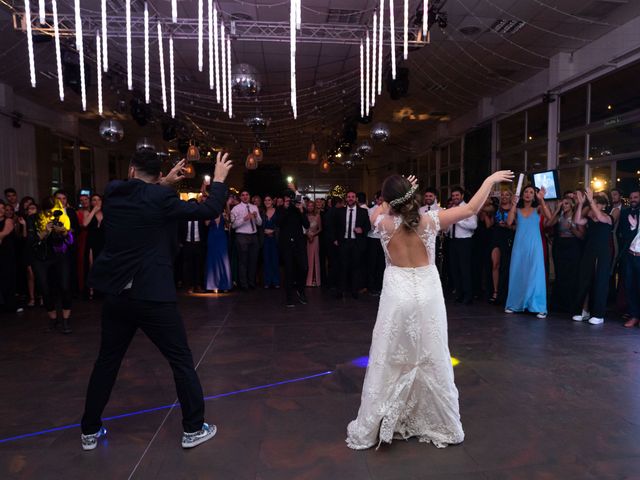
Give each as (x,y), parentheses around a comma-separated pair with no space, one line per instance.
(95,232)
(7,261)
(501,241)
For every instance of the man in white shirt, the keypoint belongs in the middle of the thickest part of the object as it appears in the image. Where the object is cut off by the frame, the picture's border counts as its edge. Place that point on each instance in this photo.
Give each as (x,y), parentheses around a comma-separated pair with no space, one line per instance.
(375,254)
(430,201)
(245,220)
(460,235)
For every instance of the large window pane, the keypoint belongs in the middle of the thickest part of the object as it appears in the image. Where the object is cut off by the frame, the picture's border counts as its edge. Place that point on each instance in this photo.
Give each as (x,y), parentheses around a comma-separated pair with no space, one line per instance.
(455,153)
(512,131)
(600,178)
(628,175)
(622,139)
(615,94)
(537,121)
(454,178)
(514,162)
(444,157)
(571,178)
(573,108)
(537,159)
(571,151)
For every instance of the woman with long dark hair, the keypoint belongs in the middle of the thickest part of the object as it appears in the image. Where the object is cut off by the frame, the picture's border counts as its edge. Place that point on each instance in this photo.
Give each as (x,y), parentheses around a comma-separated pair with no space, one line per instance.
(501,241)
(51,241)
(409,390)
(527,277)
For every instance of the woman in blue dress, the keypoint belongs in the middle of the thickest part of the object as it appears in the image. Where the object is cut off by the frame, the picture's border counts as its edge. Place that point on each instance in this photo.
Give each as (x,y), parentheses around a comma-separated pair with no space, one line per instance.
(218,270)
(527,278)
(270,246)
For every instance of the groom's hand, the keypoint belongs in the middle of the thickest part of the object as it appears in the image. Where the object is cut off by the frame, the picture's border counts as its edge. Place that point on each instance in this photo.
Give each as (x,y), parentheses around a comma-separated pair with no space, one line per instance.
(223,165)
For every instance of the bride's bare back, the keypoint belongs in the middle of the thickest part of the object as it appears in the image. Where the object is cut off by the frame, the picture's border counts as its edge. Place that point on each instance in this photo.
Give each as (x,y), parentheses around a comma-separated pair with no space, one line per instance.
(409,248)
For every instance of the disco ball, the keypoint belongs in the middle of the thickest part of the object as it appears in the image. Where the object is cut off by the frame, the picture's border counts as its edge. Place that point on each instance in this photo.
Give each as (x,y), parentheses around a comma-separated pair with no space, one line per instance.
(380,132)
(144,145)
(364,148)
(351,161)
(258,123)
(111,130)
(244,80)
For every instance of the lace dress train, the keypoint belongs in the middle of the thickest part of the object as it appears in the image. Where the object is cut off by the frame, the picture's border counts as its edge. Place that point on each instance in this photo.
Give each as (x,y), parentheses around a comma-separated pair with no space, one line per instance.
(409,388)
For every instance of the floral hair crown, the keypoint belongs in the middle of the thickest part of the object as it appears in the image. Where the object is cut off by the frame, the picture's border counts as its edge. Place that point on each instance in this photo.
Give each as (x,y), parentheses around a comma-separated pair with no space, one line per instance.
(404,199)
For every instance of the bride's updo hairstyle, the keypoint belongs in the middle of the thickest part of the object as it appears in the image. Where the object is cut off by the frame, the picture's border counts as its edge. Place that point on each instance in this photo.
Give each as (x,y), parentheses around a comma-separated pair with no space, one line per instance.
(401,197)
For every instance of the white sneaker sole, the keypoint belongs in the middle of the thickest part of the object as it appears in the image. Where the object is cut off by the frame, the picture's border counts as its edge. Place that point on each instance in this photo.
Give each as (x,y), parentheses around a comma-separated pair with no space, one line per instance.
(201,440)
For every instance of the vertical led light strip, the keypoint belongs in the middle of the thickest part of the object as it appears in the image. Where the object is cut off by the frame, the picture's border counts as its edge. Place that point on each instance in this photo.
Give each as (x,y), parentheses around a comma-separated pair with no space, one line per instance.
(99,70)
(56,34)
(406,30)
(392,32)
(129,68)
(42,11)
(80,47)
(374,55)
(380,45)
(298,14)
(200,34)
(162,77)
(147,98)
(361,79)
(293,25)
(211,39)
(174,11)
(172,85)
(223,76)
(367,92)
(229,89)
(105,56)
(425,19)
(215,49)
(32,63)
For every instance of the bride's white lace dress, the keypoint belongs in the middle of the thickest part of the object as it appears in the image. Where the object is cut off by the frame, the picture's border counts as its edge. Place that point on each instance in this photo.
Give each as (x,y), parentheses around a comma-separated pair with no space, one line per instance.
(409,390)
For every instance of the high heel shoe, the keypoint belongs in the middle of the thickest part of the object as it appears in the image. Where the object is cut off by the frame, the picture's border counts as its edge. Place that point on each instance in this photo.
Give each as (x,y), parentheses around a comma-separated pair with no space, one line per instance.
(494,298)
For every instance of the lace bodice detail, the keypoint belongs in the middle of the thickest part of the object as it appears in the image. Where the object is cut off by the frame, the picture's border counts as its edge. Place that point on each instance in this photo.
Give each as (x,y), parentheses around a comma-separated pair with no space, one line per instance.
(427,230)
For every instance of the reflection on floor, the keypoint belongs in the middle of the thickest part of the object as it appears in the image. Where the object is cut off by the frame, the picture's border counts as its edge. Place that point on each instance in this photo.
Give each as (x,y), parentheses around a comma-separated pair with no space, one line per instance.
(539,398)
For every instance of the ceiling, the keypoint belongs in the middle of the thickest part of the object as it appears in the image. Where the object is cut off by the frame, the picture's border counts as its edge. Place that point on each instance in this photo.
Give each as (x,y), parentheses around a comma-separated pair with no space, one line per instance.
(464,62)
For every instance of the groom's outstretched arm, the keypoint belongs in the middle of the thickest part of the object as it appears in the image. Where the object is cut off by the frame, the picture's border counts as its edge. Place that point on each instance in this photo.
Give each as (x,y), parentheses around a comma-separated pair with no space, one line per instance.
(212,207)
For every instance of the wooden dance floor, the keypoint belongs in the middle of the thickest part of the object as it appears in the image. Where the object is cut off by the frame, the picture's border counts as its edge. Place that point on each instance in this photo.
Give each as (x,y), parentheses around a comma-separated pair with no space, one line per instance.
(540,399)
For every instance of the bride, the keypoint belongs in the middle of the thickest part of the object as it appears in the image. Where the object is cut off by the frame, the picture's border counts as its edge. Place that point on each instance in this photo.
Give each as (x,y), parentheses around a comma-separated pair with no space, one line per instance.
(408,388)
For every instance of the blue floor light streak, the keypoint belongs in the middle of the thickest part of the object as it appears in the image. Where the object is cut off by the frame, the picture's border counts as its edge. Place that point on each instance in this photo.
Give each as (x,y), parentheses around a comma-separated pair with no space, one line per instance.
(165,407)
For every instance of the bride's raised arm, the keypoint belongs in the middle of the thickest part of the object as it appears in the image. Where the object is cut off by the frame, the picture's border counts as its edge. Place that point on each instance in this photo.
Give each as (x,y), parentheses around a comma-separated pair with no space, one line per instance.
(453,215)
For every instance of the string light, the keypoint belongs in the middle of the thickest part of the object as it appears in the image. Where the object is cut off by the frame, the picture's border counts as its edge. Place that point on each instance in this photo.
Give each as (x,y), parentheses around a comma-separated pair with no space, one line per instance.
(229,77)
(361,79)
(99,70)
(105,57)
(32,63)
(129,68)
(215,45)
(200,27)
(406,29)
(393,40)
(425,19)
(380,46)
(56,34)
(223,55)
(80,47)
(162,78)
(293,25)
(146,54)
(42,11)
(373,59)
(298,14)
(367,93)
(172,79)
(174,11)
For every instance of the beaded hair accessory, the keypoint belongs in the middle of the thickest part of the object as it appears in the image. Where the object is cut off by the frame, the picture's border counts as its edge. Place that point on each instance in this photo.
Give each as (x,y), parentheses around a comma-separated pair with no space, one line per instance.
(407,196)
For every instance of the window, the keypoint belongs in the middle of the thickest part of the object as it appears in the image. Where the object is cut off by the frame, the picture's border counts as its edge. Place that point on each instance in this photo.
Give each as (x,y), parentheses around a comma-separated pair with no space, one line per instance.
(615,94)
(571,151)
(571,178)
(454,178)
(514,161)
(444,157)
(455,153)
(628,175)
(511,131)
(622,139)
(600,177)
(573,108)
(537,159)
(537,122)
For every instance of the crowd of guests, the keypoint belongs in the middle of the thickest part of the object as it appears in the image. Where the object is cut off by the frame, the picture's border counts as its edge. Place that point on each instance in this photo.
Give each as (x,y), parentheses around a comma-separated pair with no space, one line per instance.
(583,249)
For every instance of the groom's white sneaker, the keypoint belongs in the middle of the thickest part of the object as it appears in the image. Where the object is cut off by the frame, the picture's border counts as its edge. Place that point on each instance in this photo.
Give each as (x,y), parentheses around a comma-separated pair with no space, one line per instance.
(89,442)
(190,440)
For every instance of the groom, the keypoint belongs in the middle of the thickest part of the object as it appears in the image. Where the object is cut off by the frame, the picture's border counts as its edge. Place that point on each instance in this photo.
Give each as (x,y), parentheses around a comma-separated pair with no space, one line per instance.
(135,272)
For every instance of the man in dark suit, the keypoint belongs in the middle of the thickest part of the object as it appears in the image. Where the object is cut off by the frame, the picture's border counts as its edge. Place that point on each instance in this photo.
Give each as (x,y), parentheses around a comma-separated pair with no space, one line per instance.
(332,250)
(135,272)
(350,236)
(293,248)
(193,242)
(629,241)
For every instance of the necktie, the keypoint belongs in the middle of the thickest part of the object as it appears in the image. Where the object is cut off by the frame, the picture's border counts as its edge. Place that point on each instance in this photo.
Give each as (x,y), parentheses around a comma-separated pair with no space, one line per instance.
(350,231)
(253,226)
(453,231)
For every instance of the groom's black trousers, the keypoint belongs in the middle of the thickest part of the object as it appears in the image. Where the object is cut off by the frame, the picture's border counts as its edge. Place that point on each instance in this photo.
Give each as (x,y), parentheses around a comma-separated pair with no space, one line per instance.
(160,321)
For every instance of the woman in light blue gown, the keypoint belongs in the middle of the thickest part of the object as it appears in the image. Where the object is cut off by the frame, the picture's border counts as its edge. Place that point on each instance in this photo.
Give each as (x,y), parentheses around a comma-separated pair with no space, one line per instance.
(527,278)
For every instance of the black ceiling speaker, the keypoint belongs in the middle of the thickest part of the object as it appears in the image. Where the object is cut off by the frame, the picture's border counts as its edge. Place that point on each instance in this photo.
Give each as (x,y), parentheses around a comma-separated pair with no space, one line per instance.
(399,87)
(139,111)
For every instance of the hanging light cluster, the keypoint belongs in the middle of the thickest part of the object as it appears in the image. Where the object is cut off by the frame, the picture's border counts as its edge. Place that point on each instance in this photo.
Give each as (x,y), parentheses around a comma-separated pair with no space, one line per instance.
(56,34)
(295,22)
(80,48)
(371,54)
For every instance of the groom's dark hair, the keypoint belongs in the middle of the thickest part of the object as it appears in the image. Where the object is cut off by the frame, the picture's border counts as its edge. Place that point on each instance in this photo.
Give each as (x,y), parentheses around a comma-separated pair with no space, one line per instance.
(147,162)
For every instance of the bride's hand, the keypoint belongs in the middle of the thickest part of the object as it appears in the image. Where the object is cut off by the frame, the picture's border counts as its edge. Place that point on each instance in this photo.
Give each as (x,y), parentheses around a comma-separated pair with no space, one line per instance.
(502,176)
(412,180)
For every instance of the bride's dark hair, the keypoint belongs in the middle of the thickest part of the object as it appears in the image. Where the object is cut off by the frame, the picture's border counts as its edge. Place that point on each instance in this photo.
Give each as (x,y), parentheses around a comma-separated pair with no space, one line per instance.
(396,187)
